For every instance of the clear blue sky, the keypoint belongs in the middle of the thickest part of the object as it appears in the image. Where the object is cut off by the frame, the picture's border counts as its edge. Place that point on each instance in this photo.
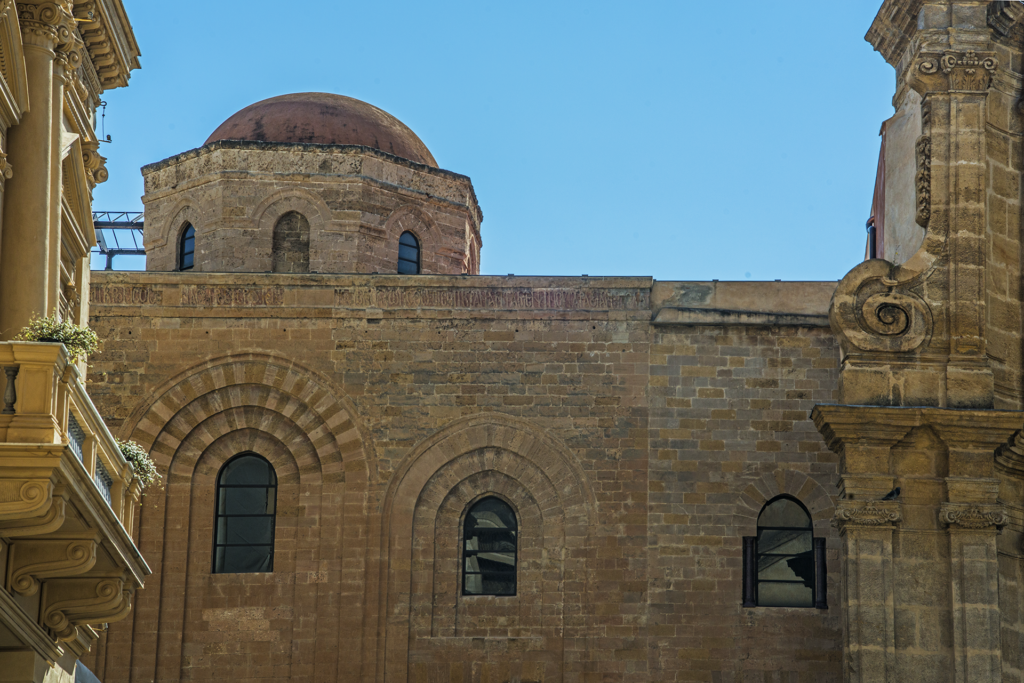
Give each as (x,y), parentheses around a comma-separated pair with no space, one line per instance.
(684,140)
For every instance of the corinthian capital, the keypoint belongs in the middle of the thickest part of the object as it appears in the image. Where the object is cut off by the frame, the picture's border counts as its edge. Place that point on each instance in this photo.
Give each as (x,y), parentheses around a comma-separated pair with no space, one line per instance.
(46,24)
(870,513)
(972,516)
(951,71)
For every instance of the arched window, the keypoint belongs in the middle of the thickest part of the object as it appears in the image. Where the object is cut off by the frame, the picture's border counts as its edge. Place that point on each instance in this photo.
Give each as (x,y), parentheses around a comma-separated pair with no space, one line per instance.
(784,565)
(408,254)
(290,251)
(489,553)
(243,533)
(187,248)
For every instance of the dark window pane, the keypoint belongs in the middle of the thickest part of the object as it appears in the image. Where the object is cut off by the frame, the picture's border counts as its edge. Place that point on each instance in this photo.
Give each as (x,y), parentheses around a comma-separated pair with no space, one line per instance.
(245,559)
(186,257)
(407,268)
(784,595)
(489,554)
(409,239)
(247,471)
(251,530)
(408,253)
(246,501)
(784,541)
(785,513)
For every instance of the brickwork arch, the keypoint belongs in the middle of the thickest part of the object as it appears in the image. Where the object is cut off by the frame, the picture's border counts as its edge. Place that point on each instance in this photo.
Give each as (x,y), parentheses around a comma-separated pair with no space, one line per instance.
(426,497)
(299,421)
(312,208)
(795,483)
(185,212)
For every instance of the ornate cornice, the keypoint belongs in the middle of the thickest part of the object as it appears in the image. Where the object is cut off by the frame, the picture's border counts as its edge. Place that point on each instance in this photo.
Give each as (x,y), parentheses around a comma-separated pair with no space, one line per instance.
(973,516)
(952,71)
(851,513)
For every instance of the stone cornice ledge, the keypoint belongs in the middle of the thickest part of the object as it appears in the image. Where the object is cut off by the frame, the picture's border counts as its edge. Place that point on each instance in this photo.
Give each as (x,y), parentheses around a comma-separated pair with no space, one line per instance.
(713,316)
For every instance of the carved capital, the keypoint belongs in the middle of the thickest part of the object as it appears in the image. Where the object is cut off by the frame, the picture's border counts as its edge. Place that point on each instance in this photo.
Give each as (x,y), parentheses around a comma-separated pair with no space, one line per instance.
(95,164)
(973,516)
(951,71)
(6,169)
(34,560)
(70,603)
(872,513)
(46,24)
(874,313)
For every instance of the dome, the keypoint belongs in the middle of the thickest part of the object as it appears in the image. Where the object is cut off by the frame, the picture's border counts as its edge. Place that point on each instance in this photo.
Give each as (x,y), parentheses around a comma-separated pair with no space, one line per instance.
(324,119)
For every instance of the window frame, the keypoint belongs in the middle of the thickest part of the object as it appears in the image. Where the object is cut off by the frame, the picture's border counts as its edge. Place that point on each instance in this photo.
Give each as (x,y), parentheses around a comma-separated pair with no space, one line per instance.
(419,253)
(184,236)
(464,553)
(218,514)
(751,556)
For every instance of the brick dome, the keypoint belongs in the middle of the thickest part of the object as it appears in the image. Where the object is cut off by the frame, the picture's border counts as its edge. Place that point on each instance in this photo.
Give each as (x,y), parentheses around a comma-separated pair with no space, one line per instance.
(324,119)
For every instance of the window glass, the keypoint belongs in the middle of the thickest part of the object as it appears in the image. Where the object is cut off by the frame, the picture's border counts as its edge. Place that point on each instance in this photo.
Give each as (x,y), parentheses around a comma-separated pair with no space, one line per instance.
(489,556)
(785,555)
(246,506)
(408,254)
(187,250)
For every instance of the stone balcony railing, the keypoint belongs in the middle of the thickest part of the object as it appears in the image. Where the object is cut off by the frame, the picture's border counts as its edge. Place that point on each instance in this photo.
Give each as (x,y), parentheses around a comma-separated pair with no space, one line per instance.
(67,505)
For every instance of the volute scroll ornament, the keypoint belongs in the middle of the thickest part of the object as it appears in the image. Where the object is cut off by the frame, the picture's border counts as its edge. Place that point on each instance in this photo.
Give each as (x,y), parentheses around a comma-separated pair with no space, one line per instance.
(866,513)
(64,608)
(972,516)
(875,313)
(1011,455)
(32,560)
(21,498)
(968,71)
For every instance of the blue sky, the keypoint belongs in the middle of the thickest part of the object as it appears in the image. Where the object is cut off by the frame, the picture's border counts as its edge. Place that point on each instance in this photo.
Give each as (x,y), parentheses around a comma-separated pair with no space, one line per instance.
(684,140)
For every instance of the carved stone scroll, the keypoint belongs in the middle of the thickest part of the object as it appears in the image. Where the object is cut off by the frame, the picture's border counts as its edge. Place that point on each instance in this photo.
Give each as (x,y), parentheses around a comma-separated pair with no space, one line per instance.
(34,560)
(21,498)
(37,526)
(972,516)
(63,610)
(874,313)
(866,513)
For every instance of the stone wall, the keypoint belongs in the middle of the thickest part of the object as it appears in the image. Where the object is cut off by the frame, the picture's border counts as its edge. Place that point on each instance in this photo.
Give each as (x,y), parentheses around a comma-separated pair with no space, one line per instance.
(357,201)
(636,456)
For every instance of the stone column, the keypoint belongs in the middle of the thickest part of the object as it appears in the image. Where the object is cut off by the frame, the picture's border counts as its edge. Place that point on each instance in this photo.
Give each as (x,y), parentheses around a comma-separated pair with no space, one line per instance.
(25,268)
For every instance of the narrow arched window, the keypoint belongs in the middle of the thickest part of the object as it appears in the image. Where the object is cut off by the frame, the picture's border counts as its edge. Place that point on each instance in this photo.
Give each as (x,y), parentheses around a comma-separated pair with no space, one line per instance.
(243,534)
(290,248)
(187,248)
(784,565)
(490,538)
(408,254)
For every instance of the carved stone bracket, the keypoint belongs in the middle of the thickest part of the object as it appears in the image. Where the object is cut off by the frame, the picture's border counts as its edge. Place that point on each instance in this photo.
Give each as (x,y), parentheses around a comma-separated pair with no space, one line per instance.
(21,498)
(875,313)
(968,71)
(973,516)
(1011,455)
(63,609)
(923,180)
(95,164)
(872,513)
(34,560)
(37,526)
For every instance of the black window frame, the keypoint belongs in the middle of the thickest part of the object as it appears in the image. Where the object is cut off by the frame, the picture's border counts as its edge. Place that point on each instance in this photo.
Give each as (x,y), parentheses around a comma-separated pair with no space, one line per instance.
(219,514)
(419,253)
(751,556)
(188,234)
(467,553)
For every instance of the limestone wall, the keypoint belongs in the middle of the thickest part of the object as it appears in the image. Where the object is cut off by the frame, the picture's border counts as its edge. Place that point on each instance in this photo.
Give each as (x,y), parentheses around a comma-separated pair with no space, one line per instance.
(636,455)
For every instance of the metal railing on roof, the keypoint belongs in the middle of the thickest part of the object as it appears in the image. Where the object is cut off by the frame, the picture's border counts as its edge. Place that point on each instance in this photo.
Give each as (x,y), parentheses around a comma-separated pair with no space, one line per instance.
(118,233)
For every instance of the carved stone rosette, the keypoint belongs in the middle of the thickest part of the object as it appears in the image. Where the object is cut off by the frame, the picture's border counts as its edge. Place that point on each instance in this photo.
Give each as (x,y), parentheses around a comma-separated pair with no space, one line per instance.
(852,513)
(973,516)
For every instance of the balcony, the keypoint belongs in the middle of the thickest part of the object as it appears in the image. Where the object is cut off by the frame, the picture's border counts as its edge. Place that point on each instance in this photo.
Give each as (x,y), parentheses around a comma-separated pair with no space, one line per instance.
(67,505)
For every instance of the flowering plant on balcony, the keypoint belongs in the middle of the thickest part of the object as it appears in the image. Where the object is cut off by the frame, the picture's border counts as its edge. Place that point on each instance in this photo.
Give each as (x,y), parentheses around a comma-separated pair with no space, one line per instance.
(145,468)
(79,340)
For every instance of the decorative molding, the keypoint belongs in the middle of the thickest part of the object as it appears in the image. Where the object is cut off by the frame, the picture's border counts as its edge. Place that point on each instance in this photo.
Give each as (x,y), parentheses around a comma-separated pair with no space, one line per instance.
(38,526)
(968,71)
(872,312)
(21,498)
(866,513)
(47,24)
(923,180)
(973,516)
(95,164)
(45,559)
(63,609)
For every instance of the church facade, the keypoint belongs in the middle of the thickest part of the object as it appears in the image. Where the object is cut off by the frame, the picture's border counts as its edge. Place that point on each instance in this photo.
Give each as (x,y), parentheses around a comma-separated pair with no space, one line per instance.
(382,466)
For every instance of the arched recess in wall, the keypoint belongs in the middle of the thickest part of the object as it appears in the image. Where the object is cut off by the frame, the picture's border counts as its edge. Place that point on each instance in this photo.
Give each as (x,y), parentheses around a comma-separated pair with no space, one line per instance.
(413,219)
(162,241)
(301,423)
(423,511)
(268,214)
(289,252)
